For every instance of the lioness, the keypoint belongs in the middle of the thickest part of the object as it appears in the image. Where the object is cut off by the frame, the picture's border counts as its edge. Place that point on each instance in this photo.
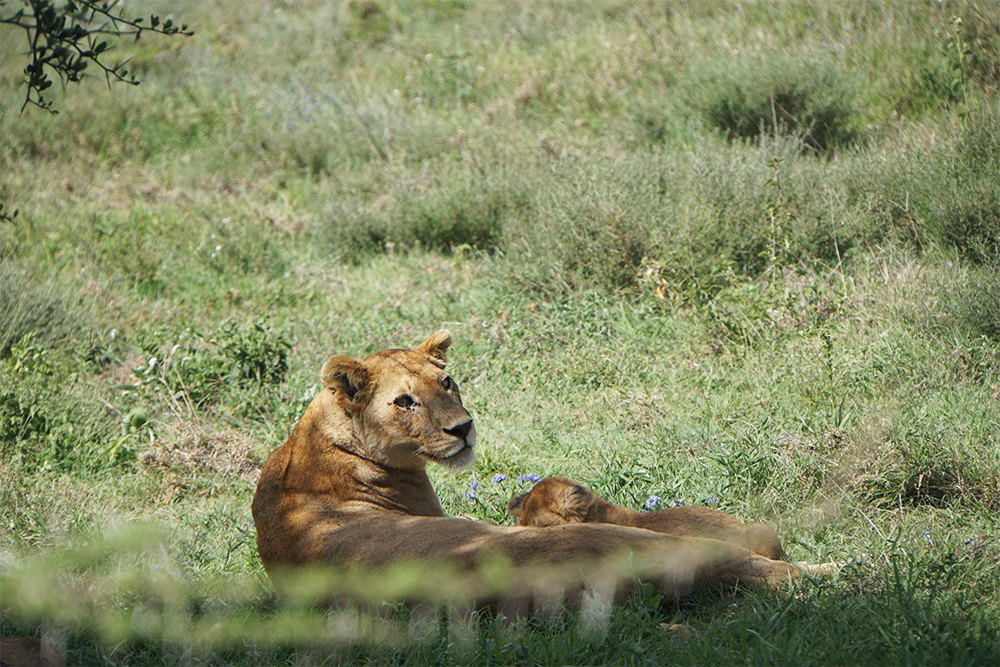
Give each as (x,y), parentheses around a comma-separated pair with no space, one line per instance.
(348,491)
(556,501)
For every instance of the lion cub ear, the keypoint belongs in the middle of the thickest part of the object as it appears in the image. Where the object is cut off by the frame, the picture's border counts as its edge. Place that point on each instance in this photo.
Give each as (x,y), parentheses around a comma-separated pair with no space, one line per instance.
(516,505)
(345,376)
(575,500)
(434,348)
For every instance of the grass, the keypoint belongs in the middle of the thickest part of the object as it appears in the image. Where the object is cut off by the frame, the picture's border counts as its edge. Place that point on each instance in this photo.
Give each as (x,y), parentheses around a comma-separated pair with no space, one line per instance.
(799,328)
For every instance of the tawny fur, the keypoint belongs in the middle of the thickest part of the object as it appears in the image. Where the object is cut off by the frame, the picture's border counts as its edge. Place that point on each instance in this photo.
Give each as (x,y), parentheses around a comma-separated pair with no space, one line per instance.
(556,501)
(348,491)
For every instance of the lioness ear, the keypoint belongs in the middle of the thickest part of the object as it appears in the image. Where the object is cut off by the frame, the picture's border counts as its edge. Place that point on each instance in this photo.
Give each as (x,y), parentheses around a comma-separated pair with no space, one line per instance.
(344,375)
(434,348)
(516,505)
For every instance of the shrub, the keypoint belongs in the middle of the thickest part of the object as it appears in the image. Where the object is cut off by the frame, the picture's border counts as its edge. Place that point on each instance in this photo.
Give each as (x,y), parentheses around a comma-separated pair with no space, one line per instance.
(588,226)
(50,423)
(256,354)
(773,93)
(440,214)
(975,305)
(737,209)
(954,192)
(206,368)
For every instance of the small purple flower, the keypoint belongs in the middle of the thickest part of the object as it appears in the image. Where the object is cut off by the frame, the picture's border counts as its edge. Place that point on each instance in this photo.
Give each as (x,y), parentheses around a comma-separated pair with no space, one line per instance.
(678,502)
(499,477)
(471,493)
(712,500)
(529,477)
(652,501)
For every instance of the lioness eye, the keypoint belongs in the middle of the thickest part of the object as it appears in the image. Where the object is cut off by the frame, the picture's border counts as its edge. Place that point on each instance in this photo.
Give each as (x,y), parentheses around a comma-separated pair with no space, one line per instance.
(404,401)
(447,383)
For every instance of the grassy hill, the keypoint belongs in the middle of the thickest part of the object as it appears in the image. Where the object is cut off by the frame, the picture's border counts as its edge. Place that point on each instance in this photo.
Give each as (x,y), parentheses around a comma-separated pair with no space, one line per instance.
(738,253)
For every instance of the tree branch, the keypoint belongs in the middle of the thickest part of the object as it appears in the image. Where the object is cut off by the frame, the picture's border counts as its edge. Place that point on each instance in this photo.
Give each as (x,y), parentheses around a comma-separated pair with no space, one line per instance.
(63,40)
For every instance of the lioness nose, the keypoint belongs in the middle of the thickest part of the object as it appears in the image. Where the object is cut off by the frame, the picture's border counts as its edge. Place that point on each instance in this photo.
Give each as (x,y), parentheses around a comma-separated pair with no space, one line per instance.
(460,430)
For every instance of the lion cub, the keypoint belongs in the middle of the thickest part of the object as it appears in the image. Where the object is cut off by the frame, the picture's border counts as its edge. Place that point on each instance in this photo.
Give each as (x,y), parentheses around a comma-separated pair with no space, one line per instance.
(556,501)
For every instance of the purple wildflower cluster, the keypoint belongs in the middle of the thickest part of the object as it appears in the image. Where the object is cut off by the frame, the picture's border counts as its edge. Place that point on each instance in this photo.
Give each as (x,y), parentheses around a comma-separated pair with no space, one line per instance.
(498,478)
(655,500)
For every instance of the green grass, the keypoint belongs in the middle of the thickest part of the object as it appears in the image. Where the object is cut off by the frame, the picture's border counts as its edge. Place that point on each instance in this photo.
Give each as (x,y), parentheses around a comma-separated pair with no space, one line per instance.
(656,285)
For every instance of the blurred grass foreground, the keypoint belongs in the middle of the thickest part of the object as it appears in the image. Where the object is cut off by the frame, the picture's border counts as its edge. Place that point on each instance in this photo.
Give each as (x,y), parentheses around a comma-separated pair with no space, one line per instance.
(736,253)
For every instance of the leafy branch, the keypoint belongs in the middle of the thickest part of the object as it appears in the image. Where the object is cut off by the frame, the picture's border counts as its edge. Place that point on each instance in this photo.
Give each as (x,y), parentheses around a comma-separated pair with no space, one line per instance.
(65,39)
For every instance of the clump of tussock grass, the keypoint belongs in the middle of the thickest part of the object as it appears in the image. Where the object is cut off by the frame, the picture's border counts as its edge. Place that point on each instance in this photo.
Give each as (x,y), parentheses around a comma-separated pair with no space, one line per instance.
(951,198)
(772,93)
(41,309)
(970,306)
(920,462)
(442,213)
(970,219)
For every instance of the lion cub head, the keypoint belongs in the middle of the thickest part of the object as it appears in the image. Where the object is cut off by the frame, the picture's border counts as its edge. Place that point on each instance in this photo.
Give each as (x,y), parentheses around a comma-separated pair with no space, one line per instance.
(404,407)
(553,502)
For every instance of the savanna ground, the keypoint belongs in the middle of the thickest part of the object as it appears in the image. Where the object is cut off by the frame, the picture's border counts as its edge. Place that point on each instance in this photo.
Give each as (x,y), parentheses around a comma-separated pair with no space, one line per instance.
(738,253)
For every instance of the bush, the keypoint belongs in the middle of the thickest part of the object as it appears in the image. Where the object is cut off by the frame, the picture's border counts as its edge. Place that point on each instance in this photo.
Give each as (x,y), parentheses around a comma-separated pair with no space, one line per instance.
(954,192)
(970,220)
(441,214)
(975,305)
(46,422)
(206,368)
(256,354)
(588,226)
(778,94)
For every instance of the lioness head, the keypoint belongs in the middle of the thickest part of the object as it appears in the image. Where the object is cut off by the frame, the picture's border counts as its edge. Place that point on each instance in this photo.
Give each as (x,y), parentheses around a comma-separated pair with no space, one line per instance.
(404,407)
(553,502)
